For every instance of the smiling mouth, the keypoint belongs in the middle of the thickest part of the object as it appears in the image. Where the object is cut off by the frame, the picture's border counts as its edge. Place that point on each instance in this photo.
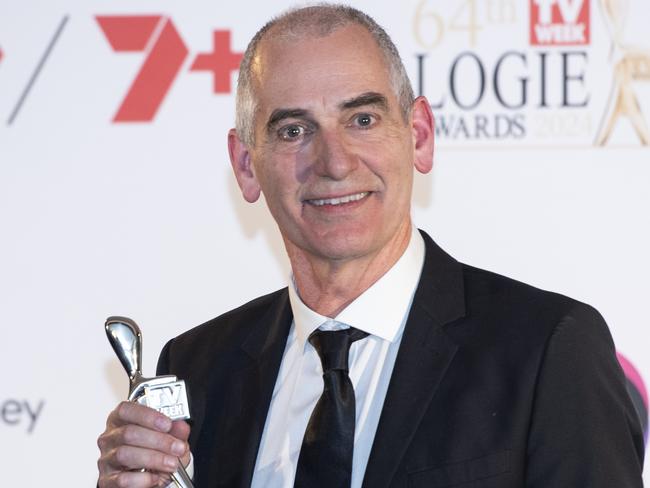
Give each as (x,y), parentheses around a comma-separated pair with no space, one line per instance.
(339,200)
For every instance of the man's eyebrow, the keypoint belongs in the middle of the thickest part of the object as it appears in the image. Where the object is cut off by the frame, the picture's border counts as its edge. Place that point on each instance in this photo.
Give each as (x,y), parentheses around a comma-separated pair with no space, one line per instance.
(284,113)
(368,98)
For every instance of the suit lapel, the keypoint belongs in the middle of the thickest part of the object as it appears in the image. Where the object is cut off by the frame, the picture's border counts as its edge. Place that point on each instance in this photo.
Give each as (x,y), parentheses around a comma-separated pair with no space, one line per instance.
(249,396)
(424,355)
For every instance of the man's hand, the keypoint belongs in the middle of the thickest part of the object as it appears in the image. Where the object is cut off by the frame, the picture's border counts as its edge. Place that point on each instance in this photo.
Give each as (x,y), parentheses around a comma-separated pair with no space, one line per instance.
(138,437)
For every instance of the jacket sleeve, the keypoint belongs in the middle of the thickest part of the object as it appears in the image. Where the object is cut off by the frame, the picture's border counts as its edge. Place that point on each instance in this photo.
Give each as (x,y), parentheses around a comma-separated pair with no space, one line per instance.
(585,431)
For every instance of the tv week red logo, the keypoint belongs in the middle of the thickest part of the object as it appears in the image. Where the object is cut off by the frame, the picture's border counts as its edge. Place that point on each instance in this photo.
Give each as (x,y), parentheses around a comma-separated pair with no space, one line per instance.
(165,53)
(559,22)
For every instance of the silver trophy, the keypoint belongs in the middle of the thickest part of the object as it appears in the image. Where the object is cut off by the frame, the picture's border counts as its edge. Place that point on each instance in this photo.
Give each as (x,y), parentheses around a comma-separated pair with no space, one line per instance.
(166,394)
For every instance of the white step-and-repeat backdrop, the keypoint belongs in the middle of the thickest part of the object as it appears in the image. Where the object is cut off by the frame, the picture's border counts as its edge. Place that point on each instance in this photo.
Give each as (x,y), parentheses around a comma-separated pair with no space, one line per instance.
(116,196)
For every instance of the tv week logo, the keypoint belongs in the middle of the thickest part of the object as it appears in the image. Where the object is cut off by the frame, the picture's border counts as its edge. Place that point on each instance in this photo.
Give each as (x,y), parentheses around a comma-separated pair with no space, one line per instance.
(559,22)
(164,55)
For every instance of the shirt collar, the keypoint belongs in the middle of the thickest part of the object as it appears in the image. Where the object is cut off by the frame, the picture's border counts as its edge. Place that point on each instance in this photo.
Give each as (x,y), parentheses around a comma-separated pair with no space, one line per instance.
(380,310)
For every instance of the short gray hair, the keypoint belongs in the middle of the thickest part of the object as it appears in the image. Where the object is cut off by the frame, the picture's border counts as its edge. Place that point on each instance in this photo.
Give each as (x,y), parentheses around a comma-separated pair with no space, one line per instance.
(316,21)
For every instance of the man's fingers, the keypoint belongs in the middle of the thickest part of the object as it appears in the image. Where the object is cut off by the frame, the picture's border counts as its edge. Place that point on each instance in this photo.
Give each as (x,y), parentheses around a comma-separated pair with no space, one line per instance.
(180,429)
(134,435)
(164,480)
(134,413)
(126,479)
(138,437)
(130,457)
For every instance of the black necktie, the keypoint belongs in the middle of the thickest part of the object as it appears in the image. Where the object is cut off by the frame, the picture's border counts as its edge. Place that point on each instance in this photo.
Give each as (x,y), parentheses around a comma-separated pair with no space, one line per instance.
(326,454)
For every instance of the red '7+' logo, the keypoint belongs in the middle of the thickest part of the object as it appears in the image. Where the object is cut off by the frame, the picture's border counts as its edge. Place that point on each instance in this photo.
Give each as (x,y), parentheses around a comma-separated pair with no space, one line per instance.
(165,53)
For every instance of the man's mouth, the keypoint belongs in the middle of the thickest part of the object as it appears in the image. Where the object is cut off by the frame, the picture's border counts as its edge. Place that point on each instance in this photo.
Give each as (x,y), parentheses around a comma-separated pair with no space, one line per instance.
(338,200)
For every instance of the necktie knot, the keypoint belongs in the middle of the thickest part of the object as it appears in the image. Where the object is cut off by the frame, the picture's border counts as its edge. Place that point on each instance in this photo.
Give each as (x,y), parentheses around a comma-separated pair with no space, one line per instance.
(333,346)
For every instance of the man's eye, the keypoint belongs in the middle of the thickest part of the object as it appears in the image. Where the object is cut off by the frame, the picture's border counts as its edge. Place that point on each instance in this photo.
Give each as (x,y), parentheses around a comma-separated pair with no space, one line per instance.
(364,120)
(291,132)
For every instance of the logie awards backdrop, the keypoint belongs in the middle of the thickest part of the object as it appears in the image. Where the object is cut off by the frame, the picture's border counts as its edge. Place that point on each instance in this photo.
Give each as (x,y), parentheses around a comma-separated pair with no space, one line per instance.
(116,196)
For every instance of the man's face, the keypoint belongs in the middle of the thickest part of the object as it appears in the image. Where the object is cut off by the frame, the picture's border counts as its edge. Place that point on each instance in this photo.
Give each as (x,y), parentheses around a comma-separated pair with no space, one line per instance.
(333,155)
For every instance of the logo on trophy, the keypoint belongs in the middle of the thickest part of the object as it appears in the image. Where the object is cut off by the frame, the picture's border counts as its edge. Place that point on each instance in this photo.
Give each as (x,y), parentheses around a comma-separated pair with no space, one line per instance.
(166,394)
(632,64)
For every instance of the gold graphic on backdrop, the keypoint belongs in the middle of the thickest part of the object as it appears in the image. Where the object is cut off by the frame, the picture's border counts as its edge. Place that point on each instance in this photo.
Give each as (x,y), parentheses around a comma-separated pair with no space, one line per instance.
(633,65)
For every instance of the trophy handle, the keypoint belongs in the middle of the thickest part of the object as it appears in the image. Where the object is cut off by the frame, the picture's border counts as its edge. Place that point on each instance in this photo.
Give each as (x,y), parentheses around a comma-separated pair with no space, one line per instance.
(126,339)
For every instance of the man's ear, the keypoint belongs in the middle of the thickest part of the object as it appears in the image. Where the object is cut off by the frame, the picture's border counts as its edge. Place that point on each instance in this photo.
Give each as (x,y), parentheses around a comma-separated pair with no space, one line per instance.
(240,159)
(422,124)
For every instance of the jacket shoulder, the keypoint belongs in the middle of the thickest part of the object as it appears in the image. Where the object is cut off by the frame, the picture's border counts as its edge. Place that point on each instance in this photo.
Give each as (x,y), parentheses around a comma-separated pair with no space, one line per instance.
(220,337)
(236,319)
(482,286)
(509,311)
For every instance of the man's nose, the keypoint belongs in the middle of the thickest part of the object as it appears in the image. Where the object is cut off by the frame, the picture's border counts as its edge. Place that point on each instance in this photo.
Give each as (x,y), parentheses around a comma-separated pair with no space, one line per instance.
(334,158)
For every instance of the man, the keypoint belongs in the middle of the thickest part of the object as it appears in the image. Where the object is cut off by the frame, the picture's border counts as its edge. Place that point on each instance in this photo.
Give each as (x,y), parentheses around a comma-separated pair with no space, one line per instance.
(465,378)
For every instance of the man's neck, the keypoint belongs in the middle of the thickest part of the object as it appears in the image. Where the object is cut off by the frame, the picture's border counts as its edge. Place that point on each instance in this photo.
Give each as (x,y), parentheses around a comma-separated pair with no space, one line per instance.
(328,286)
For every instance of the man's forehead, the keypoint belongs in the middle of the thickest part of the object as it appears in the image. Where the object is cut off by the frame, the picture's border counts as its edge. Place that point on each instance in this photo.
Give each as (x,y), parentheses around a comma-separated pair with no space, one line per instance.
(278,46)
(309,77)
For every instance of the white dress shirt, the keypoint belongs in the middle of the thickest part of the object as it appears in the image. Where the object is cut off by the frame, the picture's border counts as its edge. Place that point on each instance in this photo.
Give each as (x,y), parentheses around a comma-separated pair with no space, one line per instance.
(381,311)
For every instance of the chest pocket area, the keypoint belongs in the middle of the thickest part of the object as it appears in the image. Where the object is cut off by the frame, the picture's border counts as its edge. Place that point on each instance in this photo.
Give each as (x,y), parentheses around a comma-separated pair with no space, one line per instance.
(462,472)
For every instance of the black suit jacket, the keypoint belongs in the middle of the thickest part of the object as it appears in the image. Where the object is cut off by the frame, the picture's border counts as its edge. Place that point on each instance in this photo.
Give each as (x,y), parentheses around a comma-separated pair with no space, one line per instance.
(496,384)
